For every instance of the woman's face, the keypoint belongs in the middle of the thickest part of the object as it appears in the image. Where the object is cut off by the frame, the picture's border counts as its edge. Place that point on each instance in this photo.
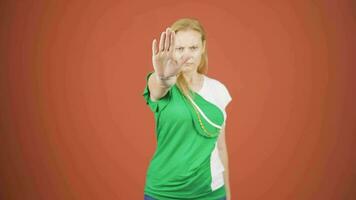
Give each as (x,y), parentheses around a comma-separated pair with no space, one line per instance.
(188,44)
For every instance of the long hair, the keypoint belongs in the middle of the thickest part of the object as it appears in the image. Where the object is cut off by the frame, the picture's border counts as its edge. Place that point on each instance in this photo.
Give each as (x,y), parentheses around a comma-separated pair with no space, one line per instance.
(191,24)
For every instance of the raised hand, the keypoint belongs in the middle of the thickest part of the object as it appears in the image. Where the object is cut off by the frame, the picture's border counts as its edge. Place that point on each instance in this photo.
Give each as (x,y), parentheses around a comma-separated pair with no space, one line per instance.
(164,63)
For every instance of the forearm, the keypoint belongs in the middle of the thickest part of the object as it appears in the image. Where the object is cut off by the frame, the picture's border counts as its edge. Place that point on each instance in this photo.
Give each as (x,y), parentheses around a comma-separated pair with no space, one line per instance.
(158,87)
(225,160)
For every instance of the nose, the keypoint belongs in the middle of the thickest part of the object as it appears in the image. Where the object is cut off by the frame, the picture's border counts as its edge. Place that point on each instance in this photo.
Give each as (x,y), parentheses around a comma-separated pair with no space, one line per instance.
(186,58)
(187,55)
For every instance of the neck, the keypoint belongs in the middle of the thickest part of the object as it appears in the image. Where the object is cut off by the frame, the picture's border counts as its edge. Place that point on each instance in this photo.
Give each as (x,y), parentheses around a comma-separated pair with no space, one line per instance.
(193,78)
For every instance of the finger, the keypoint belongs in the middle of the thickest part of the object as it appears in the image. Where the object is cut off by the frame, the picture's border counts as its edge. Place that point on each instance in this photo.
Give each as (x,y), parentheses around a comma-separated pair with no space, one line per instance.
(154,47)
(161,41)
(172,43)
(166,42)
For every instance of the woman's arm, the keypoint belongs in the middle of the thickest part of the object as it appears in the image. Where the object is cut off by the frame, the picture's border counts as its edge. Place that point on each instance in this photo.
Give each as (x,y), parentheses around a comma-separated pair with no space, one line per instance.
(158,88)
(165,65)
(224,158)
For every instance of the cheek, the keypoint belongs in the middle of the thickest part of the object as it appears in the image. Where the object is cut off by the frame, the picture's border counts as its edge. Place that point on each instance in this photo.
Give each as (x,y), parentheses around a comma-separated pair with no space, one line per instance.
(197,56)
(176,55)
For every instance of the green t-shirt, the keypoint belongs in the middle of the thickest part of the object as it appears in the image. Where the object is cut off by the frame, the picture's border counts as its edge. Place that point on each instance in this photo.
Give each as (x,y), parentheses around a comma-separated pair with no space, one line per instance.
(182,165)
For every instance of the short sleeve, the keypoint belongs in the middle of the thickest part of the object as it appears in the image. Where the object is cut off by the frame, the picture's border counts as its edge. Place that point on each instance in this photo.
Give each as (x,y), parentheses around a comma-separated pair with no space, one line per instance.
(155,106)
(226,97)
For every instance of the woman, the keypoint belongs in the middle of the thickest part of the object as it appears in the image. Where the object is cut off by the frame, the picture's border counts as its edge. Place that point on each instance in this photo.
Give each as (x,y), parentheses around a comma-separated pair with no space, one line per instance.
(191,160)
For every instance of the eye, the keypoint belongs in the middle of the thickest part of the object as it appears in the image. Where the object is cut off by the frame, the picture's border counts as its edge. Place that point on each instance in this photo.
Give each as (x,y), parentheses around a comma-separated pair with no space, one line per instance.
(193,47)
(179,49)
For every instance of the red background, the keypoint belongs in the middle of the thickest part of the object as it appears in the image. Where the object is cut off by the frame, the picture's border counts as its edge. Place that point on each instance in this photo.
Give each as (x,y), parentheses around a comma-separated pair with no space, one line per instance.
(74,124)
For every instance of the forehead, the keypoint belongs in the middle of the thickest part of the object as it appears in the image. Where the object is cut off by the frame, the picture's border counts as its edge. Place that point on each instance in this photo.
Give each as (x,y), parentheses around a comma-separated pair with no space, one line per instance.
(188,38)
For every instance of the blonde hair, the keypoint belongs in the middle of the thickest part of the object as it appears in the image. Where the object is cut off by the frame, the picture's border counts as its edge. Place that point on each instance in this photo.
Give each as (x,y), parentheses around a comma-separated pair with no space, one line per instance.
(191,24)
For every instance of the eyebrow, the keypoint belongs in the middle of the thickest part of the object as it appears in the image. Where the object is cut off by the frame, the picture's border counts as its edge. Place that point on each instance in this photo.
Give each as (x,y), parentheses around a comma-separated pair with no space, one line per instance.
(195,45)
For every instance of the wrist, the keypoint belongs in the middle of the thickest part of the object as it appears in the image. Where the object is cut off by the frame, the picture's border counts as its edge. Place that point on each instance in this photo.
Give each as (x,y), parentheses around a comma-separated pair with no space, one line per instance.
(165,82)
(163,78)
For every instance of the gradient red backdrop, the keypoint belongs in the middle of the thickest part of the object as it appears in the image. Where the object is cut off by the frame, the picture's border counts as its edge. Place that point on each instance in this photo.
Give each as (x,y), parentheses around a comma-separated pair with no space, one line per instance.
(74,124)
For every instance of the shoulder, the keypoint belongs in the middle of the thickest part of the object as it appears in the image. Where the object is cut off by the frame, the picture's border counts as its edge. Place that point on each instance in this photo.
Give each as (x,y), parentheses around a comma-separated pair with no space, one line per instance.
(219,90)
(216,85)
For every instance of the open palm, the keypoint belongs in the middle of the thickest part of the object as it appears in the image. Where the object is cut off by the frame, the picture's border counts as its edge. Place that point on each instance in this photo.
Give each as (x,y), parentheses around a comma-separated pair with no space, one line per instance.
(164,63)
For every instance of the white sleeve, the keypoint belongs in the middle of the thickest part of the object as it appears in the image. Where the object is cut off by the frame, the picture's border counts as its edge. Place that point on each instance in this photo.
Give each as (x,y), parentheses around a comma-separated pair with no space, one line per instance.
(224,97)
(227,97)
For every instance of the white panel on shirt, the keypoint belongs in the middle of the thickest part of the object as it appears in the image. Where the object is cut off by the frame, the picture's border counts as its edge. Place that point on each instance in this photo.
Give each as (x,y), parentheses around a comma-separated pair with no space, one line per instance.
(216,93)
(216,169)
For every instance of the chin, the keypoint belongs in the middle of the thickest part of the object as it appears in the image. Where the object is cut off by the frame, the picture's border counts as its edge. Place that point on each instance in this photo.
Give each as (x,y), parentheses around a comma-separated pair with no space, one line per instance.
(188,69)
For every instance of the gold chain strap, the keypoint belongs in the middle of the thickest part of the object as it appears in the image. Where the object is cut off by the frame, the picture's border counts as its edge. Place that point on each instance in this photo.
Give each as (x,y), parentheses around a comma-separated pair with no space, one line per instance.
(201,123)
